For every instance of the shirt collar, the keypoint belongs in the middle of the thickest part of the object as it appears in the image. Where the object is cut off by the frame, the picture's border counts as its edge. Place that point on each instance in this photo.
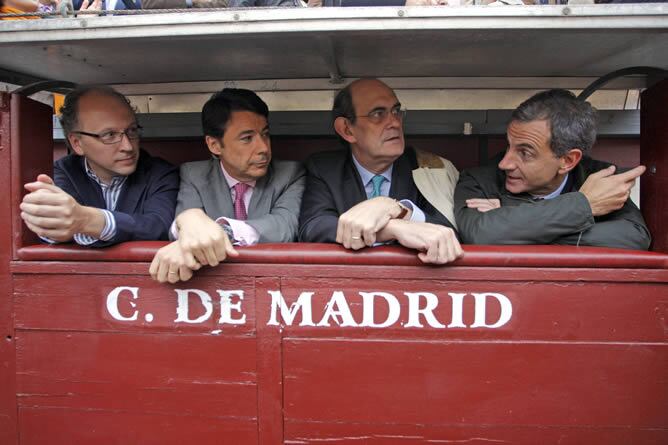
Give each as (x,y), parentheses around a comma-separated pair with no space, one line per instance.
(231,182)
(115,180)
(555,193)
(366,175)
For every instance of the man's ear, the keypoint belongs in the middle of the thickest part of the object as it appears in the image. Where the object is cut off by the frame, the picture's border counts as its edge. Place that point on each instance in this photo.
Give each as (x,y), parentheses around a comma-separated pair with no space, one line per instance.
(214,144)
(75,143)
(342,128)
(570,160)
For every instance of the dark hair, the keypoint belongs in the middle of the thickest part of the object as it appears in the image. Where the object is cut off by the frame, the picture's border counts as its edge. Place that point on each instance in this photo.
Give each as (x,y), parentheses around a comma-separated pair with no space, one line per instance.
(69,112)
(217,110)
(343,104)
(572,121)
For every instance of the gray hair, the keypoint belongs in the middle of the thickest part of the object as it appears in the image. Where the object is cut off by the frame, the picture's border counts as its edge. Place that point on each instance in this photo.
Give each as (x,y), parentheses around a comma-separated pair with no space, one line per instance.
(572,121)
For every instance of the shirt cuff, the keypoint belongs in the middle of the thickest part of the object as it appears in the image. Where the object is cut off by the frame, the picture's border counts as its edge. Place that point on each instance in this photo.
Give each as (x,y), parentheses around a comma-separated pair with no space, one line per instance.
(417,215)
(244,234)
(173,231)
(108,232)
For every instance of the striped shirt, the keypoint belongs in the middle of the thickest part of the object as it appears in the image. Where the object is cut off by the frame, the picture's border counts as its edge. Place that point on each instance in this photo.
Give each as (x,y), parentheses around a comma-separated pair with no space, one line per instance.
(110,193)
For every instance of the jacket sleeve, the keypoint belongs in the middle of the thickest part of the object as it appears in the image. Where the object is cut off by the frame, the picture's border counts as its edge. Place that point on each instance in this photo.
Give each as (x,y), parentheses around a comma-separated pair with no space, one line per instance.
(156,215)
(319,216)
(542,222)
(623,229)
(280,224)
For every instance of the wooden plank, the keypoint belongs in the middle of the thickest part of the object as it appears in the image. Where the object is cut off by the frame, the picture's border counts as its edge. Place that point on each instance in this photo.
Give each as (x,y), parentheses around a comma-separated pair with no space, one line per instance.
(65,427)
(269,370)
(476,383)
(540,310)
(8,431)
(654,155)
(493,272)
(305,433)
(175,374)
(85,304)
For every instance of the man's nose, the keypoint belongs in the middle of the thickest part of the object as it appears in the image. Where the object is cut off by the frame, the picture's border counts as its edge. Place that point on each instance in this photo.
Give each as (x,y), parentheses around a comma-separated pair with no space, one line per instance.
(126,143)
(508,162)
(264,145)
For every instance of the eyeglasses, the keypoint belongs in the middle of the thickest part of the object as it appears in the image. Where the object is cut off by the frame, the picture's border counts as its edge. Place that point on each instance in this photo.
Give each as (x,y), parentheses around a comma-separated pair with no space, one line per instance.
(114,137)
(381,114)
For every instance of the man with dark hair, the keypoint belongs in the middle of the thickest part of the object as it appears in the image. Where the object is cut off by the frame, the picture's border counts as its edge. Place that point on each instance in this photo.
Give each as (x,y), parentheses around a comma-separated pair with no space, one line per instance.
(545,189)
(239,197)
(108,191)
(366,194)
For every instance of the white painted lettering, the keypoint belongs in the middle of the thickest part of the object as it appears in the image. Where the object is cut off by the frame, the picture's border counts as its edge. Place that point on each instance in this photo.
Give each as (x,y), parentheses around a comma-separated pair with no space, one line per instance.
(368,319)
(480,320)
(457,310)
(112,303)
(183,305)
(414,310)
(303,305)
(226,307)
(338,307)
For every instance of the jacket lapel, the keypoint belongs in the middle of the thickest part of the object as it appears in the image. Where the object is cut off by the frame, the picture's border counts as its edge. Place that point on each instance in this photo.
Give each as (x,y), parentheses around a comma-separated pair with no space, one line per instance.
(352,188)
(402,178)
(135,187)
(260,203)
(217,197)
(91,196)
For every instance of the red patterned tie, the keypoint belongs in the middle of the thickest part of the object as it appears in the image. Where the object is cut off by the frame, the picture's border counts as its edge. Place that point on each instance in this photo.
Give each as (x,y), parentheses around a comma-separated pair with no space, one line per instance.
(239,206)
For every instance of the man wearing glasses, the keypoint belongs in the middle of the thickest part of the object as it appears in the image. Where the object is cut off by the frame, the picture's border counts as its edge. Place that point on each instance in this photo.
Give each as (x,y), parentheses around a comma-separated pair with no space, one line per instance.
(108,191)
(366,194)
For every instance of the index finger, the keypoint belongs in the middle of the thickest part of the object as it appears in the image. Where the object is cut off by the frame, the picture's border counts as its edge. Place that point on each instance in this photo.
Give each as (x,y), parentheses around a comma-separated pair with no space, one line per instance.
(632,174)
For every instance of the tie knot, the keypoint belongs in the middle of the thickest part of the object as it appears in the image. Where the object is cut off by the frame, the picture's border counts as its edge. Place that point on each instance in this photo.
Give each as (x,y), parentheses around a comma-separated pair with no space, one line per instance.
(377,181)
(240,188)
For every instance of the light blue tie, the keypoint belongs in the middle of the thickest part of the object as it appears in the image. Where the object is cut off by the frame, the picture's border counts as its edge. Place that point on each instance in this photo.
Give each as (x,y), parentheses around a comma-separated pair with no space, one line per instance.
(377,182)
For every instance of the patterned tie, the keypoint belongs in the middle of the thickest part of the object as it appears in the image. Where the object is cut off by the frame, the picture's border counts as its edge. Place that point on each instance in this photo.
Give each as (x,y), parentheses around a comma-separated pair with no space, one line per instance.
(239,206)
(377,182)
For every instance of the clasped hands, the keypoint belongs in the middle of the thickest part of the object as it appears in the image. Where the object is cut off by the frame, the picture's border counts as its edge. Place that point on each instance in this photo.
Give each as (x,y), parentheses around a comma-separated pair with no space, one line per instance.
(375,220)
(201,242)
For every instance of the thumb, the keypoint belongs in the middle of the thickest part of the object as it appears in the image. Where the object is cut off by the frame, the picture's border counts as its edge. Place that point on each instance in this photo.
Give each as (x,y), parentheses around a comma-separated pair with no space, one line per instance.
(45,179)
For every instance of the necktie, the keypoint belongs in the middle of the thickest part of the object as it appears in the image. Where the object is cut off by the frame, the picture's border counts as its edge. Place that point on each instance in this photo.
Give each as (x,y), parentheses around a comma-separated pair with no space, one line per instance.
(377,181)
(239,206)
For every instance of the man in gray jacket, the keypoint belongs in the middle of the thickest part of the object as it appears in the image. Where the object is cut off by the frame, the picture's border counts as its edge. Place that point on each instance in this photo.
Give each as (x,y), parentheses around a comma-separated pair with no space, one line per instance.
(239,197)
(545,189)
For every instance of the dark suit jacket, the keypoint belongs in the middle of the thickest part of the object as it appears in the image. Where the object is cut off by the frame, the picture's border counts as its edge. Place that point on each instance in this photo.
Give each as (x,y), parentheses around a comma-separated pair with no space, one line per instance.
(145,207)
(333,186)
(566,219)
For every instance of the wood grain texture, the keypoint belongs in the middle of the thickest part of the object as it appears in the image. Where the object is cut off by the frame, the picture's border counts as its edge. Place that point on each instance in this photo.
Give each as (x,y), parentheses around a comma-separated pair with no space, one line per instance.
(8,430)
(72,426)
(310,433)
(654,155)
(476,383)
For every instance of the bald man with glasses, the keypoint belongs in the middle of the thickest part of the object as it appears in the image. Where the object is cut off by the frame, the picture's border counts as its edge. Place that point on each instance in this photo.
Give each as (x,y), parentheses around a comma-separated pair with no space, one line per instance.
(108,190)
(365,195)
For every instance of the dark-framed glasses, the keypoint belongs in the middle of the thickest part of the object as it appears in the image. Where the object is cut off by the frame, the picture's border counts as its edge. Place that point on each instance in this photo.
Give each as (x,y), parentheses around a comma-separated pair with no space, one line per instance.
(379,115)
(114,137)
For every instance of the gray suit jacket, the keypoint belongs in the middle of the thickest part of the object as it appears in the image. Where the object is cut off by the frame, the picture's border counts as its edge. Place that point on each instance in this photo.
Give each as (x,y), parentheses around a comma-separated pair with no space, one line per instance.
(274,206)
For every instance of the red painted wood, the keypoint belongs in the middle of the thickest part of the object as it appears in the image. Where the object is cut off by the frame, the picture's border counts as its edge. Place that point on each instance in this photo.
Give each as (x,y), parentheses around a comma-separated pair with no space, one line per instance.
(111,380)
(654,155)
(310,433)
(50,302)
(32,135)
(313,253)
(66,427)
(269,368)
(8,432)
(476,383)
(566,275)
(542,311)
